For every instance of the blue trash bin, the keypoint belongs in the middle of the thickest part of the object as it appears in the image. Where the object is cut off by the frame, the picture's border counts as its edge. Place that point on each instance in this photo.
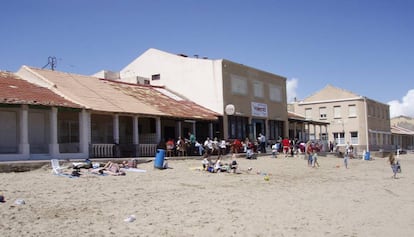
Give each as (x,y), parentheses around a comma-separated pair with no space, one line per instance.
(159,159)
(367,156)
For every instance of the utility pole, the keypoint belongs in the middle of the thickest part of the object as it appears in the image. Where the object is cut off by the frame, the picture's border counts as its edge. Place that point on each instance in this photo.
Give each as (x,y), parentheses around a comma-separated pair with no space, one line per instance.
(52,62)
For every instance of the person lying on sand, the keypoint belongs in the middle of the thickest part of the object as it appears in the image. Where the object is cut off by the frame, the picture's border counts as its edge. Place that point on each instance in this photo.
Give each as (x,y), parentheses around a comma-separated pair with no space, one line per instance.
(110,168)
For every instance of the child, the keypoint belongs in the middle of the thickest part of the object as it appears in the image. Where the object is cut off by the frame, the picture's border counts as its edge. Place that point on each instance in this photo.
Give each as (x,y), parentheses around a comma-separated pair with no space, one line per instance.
(206,163)
(217,165)
(274,150)
(233,164)
(315,159)
(394,165)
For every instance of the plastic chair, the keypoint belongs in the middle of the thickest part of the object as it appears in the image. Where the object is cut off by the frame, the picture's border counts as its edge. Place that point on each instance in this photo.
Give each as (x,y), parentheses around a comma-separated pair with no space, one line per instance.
(56,169)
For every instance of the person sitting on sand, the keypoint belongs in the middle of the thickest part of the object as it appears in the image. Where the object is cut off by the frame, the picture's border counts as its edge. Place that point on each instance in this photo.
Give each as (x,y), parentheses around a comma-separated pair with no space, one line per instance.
(206,163)
(233,164)
(217,165)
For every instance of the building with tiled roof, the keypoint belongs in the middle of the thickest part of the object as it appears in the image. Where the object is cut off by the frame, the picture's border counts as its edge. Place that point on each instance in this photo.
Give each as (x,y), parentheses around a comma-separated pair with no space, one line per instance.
(24,110)
(50,114)
(16,91)
(402,130)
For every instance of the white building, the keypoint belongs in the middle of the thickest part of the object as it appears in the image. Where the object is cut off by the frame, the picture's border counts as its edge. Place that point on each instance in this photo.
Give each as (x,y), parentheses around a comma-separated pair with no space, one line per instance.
(251,101)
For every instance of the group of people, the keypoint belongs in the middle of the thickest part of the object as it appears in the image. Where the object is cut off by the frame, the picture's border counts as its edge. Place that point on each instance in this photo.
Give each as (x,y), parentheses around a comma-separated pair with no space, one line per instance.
(218,165)
(191,146)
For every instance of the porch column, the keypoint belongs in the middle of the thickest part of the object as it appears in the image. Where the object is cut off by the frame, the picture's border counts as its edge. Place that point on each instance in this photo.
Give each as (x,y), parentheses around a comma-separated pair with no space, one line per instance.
(294,130)
(85,132)
(24,146)
(158,128)
(194,129)
(135,132)
(179,129)
(135,135)
(53,146)
(116,128)
(210,130)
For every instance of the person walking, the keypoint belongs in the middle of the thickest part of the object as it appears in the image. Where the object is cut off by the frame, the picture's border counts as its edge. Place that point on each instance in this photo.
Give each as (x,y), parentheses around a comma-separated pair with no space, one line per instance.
(346,155)
(262,143)
(394,165)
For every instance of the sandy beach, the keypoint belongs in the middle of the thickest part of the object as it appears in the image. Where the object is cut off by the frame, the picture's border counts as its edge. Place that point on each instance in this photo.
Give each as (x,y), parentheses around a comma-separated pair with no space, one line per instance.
(297,200)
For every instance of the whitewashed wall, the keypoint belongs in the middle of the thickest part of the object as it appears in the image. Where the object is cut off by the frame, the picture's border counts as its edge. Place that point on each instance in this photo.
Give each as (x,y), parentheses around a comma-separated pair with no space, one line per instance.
(200,80)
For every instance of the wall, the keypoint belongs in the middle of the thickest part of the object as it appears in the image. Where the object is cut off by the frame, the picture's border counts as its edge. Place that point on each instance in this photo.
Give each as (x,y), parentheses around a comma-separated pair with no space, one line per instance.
(197,79)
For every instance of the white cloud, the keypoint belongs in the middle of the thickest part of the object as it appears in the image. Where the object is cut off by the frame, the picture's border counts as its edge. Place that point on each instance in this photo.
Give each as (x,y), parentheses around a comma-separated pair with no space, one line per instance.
(405,107)
(291,86)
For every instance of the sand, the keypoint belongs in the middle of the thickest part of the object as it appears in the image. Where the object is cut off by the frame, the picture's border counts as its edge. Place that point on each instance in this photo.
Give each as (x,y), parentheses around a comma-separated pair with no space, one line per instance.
(182,201)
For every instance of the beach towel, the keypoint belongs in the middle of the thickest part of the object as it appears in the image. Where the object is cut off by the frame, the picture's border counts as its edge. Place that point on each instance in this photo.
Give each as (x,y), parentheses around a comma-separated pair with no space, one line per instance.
(134,170)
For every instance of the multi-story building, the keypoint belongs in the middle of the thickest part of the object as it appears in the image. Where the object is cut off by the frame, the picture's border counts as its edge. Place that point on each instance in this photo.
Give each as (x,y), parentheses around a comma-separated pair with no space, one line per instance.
(250,101)
(363,122)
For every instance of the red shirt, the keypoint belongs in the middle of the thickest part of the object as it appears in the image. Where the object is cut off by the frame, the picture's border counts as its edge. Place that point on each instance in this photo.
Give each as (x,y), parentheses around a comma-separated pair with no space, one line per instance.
(285,142)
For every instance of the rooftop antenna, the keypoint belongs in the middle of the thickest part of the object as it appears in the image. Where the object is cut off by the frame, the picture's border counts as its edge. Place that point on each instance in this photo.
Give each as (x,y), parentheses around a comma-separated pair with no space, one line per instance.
(52,62)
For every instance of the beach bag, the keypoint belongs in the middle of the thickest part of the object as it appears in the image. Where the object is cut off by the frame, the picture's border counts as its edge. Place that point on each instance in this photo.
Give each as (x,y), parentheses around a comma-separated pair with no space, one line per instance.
(75,173)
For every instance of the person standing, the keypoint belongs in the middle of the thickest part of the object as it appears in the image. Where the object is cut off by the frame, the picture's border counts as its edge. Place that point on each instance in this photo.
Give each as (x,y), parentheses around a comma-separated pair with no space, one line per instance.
(315,159)
(309,152)
(262,143)
(346,156)
(285,144)
(192,139)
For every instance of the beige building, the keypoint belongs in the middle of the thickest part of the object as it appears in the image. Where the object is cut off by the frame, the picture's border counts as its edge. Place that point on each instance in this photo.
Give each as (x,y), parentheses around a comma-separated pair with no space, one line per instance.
(363,122)
(402,129)
(249,100)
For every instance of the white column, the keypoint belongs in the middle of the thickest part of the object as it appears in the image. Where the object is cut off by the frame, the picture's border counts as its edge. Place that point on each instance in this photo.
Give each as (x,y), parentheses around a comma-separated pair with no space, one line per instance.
(116,128)
(53,146)
(24,147)
(179,129)
(84,132)
(135,132)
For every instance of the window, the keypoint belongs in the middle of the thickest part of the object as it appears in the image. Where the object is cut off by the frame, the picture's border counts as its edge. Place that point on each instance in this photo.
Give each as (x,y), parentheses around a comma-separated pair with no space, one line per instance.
(275,93)
(238,85)
(258,89)
(337,111)
(354,138)
(308,114)
(339,138)
(322,113)
(156,77)
(352,111)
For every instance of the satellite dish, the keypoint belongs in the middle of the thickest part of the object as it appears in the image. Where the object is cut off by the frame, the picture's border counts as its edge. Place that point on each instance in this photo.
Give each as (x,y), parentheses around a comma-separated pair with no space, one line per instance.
(230,109)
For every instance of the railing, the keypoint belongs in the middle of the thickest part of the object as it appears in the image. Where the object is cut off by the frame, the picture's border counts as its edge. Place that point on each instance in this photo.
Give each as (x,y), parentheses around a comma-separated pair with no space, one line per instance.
(112,150)
(102,150)
(147,149)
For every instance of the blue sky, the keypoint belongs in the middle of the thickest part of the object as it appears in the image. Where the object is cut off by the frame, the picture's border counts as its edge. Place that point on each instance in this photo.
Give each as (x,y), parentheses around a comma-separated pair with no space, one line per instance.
(364,46)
